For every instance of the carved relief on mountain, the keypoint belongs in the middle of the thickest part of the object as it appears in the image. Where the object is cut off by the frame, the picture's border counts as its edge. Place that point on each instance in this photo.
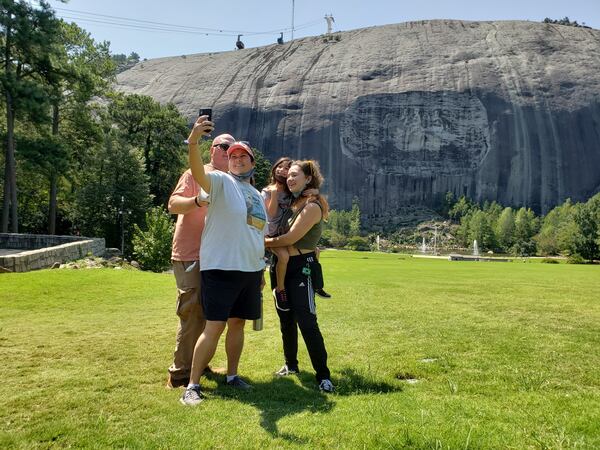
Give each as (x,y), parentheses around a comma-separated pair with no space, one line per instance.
(416,133)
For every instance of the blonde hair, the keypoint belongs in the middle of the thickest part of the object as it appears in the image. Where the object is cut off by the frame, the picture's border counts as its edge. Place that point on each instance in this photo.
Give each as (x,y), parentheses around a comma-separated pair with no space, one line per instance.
(311,169)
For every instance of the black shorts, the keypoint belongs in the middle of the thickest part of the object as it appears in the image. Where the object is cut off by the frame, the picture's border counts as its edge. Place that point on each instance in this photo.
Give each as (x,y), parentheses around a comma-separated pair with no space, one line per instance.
(231,293)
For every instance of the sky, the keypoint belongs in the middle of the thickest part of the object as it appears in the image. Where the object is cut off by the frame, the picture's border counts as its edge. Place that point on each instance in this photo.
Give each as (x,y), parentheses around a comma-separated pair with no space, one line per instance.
(159,28)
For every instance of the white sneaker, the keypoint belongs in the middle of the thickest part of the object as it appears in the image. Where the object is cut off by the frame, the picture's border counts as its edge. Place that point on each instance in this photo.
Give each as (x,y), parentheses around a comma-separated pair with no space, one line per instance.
(191,397)
(285,371)
(326,386)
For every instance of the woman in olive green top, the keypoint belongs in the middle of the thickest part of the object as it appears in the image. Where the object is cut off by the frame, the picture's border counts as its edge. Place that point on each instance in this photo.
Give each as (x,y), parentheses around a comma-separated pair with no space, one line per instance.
(306,225)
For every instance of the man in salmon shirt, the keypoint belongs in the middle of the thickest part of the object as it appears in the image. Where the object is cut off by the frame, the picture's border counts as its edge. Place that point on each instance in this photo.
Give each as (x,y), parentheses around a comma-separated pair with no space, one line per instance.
(187,202)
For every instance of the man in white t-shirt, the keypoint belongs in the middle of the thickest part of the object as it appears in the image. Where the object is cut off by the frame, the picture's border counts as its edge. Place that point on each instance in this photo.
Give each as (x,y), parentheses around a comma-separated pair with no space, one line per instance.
(186,202)
(231,252)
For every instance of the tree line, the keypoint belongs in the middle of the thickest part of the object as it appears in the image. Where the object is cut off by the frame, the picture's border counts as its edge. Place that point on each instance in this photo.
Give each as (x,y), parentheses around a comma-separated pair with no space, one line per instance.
(570,229)
(565,21)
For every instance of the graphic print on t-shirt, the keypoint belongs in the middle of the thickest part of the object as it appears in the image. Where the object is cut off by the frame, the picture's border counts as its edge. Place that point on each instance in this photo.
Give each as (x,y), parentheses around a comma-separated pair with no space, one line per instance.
(255,212)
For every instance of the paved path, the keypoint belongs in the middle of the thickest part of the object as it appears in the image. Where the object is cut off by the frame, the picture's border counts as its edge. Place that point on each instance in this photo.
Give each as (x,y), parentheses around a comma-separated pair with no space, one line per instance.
(10,251)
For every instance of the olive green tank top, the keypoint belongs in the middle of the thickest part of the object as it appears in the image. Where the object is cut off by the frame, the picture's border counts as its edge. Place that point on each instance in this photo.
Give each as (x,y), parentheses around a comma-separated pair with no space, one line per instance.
(312,236)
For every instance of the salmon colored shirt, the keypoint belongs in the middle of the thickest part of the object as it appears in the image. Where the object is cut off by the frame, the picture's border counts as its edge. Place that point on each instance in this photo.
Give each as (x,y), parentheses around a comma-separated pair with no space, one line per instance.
(189,227)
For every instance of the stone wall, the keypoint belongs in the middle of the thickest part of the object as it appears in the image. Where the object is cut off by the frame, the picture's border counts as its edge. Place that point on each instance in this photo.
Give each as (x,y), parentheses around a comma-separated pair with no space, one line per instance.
(42,251)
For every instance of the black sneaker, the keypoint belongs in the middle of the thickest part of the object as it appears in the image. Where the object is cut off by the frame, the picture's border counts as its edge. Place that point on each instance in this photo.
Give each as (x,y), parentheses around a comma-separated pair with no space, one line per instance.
(326,386)
(191,397)
(173,383)
(322,293)
(285,371)
(281,301)
(238,383)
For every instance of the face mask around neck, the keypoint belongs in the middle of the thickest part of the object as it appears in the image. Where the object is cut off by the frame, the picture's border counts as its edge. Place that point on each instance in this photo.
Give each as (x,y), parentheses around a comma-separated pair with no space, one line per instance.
(243,176)
(299,193)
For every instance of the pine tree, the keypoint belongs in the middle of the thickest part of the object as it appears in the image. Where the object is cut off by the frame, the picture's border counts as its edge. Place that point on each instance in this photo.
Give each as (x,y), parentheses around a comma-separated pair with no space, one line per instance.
(29,49)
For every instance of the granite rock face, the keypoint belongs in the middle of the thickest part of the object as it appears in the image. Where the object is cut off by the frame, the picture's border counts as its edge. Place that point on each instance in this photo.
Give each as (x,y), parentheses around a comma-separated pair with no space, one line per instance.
(399,115)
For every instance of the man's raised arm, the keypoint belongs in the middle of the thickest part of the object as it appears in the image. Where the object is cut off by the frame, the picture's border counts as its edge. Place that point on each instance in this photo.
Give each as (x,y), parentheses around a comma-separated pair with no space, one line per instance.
(202,127)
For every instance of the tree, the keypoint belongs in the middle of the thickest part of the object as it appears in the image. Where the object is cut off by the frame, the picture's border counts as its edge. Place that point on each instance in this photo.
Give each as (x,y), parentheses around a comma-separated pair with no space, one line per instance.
(493,211)
(339,222)
(447,204)
(480,230)
(114,181)
(585,216)
(460,209)
(597,214)
(262,170)
(29,48)
(505,229)
(355,218)
(526,226)
(123,62)
(556,230)
(83,71)
(462,232)
(133,57)
(86,70)
(159,131)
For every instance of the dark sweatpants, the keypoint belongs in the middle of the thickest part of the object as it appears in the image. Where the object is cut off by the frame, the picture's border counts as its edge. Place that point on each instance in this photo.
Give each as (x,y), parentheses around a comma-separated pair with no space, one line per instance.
(301,297)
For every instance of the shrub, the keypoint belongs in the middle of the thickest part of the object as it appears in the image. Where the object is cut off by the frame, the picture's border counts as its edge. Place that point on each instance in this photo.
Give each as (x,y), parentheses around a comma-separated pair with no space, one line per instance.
(550,261)
(523,248)
(153,246)
(358,243)
(338,240)
(576,259)
(325,240)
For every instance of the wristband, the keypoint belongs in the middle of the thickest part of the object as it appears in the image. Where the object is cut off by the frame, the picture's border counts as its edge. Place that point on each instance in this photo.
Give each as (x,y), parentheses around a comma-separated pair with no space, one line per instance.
(196,202)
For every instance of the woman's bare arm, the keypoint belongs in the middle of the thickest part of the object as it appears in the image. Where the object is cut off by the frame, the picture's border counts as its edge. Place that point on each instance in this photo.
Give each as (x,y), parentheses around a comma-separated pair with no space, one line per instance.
(310,215)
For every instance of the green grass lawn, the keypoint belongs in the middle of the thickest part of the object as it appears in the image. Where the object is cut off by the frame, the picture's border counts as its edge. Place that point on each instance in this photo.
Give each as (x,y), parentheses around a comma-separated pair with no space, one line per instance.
(507,355)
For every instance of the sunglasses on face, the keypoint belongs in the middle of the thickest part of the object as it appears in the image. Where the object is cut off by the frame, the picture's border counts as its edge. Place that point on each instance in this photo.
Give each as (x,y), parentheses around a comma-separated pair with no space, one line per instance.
(223,147)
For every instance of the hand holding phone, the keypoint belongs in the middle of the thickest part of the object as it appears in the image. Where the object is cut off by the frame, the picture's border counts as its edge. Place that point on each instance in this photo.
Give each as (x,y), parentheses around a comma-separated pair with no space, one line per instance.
(206,112)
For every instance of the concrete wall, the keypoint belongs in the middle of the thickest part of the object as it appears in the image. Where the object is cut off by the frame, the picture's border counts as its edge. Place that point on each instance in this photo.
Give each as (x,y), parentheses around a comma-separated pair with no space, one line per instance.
(41,251)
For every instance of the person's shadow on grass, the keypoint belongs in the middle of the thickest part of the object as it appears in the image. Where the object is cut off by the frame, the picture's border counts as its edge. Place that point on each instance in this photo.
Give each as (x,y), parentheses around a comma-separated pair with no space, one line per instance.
(284,396)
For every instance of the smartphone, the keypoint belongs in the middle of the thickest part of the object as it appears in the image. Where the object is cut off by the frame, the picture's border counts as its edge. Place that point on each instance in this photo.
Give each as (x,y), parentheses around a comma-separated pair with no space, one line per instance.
(206,112)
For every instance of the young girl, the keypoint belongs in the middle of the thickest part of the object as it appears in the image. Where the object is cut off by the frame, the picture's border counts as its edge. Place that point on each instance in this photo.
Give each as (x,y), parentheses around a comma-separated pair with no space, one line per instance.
(278,199)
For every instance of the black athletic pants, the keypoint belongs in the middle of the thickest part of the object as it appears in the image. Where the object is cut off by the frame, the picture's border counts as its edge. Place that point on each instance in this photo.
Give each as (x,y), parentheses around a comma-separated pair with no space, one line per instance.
(303,315)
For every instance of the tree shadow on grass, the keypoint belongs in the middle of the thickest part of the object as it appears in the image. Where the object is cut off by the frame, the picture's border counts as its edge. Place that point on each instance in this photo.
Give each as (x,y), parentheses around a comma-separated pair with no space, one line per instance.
(284,396)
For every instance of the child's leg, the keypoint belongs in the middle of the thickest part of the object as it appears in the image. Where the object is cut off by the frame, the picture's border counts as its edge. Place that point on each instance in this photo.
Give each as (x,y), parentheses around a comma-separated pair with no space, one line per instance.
(283,257)
(320,292)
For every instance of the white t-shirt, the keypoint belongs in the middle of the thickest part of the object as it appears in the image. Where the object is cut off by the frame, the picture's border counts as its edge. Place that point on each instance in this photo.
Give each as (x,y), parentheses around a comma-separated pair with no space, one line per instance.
(233,236)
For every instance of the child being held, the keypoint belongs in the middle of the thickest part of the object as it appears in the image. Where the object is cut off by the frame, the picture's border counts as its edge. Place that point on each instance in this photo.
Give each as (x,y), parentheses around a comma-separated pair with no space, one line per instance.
(278,200)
